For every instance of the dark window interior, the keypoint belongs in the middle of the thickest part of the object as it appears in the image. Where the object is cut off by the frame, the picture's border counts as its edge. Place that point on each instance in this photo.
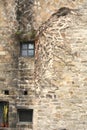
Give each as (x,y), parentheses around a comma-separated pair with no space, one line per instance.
(25,115)
(27,49)
(4,108)
(25,92)
(6,92)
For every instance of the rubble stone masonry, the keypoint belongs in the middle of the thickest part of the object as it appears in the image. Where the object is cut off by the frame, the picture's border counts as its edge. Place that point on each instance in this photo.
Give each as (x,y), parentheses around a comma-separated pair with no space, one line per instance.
(55,79)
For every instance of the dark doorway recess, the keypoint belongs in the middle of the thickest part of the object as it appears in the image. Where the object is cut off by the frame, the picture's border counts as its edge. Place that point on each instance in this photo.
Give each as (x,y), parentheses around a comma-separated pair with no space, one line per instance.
(4,109)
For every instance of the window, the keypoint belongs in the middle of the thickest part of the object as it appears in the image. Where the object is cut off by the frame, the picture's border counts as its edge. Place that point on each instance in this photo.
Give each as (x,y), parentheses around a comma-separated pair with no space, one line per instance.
(25,115)
(4,108)
(25,92)
(6,92)
(27,49)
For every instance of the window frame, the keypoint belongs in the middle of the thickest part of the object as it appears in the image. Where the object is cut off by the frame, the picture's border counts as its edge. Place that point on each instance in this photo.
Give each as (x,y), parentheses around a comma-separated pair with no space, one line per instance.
(20,113)
(27,49)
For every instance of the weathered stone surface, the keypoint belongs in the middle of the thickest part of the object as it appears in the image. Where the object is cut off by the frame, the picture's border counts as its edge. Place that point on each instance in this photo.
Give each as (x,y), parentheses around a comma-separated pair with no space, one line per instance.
(56,78)
(61,72)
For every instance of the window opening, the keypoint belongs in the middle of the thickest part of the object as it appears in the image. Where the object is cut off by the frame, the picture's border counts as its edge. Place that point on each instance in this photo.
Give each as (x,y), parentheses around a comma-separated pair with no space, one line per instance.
(4,108)
(6,92)
(25,115)
(27,49)
(25,92)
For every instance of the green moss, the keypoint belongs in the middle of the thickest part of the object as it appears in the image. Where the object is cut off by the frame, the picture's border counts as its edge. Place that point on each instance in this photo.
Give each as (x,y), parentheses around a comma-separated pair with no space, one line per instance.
(26,35)
(18,32)
(32,34)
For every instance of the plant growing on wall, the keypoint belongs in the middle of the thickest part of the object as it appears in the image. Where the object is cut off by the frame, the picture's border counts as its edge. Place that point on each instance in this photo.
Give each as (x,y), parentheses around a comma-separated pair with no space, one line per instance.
(25,36)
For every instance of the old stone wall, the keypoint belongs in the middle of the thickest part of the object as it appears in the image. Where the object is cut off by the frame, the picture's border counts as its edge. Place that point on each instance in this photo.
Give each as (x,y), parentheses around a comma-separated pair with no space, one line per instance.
(32,14)
(61,68)
(8,56)
(44,9)
(55,78)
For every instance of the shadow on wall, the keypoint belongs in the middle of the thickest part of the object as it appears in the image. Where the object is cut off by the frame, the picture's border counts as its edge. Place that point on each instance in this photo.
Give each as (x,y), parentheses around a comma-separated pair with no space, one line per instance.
(25,19)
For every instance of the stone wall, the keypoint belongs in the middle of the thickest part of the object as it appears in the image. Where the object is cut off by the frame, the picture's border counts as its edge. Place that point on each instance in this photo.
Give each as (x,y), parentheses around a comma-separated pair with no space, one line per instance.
(61,72)
(8,56)
(55,79)
(44,9)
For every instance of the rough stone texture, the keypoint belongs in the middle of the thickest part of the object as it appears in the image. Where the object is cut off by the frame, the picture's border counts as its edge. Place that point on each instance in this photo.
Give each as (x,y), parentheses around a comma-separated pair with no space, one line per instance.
(8,56)
(43,9)
(55,78)
(25,19)
(61,73)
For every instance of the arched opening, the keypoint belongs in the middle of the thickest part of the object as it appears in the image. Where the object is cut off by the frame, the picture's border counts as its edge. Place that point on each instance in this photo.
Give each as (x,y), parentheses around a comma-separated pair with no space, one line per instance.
(4,109)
